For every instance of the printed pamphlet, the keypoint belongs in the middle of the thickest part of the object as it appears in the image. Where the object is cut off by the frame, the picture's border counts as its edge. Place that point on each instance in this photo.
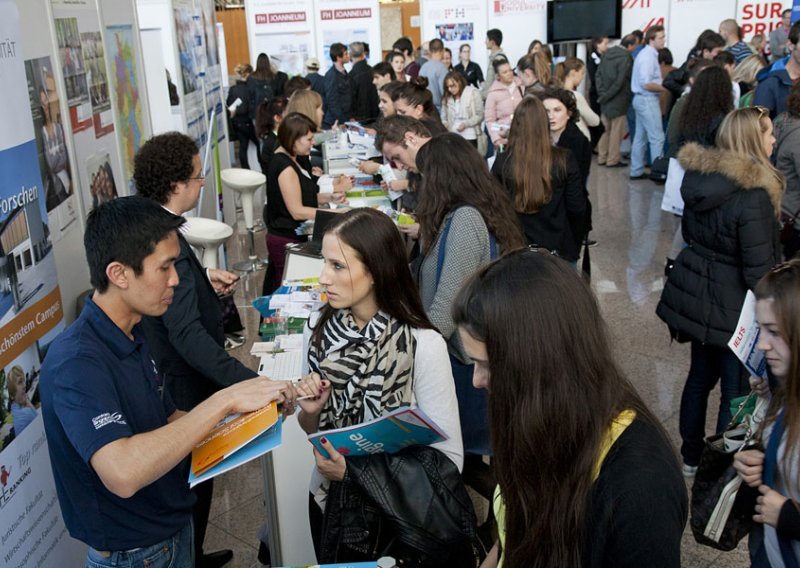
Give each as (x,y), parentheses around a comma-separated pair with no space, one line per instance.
(745,338)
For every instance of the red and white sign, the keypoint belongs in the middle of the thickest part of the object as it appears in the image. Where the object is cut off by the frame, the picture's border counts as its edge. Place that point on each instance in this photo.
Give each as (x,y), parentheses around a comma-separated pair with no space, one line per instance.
(281,18)
(760,16)
(690,18)
(351,14)
(641,14)
(522,21)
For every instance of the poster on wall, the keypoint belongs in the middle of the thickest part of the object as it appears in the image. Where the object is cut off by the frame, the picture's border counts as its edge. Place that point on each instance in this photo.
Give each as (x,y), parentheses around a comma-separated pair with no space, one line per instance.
(92,120)
(213,70)
(32,531)
(187,32)
(694,17)
(641,14)
(456,24)
(522,21)
(284,30)
(760,16)
(51,146)
(70,54)
(125,93)
(345,22)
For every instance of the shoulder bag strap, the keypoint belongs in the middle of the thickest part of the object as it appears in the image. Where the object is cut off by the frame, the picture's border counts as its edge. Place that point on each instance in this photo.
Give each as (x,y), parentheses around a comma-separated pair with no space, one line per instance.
(440,257)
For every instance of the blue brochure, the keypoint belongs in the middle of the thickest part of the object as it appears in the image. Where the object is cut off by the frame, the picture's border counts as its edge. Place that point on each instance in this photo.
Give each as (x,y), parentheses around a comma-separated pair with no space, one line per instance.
(390,433)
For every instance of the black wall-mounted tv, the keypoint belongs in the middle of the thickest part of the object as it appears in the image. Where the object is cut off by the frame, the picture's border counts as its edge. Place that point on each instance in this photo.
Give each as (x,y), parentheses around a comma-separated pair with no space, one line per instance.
(578,20)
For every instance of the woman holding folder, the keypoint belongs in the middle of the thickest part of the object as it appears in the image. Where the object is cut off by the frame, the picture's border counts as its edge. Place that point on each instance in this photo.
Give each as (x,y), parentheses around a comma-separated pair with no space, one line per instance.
(372,350)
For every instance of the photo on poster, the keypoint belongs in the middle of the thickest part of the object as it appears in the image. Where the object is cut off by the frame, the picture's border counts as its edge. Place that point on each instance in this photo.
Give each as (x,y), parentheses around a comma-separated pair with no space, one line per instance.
(102,187)
(185,28)
(95,65)
(48,127)
(72,63)
(19,387)
(125,91)
(287,51)
(210,33)
(455,32)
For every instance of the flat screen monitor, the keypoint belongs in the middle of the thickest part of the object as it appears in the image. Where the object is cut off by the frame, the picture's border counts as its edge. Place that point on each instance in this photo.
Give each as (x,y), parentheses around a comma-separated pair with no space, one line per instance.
(577,20)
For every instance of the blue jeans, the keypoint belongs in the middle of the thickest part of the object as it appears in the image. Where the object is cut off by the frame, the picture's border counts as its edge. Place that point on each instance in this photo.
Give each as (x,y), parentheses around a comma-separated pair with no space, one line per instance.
(648,131)
(175,552)
(709,364)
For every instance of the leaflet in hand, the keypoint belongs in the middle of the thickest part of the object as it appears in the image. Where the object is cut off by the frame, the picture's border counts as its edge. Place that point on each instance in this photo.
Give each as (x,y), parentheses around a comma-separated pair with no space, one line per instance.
(391,433)
(745,338)
(236,440)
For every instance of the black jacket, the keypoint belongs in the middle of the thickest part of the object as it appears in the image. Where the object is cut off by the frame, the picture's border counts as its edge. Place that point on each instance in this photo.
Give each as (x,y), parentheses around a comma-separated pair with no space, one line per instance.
(365,95)
(411,505)
(572,139)
(613,81)
(338,98)
(242,92)
(730,224)
(560,224)
(472,73)
(187,341)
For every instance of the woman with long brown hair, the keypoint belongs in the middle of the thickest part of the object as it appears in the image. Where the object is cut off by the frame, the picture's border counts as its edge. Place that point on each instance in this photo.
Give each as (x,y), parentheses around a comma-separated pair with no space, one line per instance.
(465,219)
(586,475)
(544,183)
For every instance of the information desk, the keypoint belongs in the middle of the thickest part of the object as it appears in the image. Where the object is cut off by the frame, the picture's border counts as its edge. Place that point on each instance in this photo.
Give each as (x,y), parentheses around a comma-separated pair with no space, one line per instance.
(287,469)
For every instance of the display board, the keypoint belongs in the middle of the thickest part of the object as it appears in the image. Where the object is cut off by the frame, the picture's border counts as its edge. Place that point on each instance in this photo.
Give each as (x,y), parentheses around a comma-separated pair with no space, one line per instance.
(81,55)
(760,16)
(32,530)
(521,21)
(284,30)
(691,17)
(457,23)
(346,21)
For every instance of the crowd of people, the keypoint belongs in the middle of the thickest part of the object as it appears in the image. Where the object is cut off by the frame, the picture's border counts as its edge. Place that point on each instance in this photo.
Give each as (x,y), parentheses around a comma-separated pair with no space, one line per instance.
(476,313)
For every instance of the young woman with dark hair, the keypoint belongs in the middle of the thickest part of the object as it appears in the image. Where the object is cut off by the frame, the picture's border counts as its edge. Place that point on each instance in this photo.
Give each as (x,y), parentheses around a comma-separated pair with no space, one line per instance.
(372,350)
(398,62)
(732,195)
(562,112)
(569,74)
(707,104)
(415,100)
(268,118)
(292,193)
(773,470)
(465,219)
(586,475)
(544,183)
(462,109)
(265,82)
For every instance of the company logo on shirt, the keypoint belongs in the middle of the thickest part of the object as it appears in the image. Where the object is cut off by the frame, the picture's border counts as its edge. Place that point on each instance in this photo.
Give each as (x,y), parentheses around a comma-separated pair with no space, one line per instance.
(107,418)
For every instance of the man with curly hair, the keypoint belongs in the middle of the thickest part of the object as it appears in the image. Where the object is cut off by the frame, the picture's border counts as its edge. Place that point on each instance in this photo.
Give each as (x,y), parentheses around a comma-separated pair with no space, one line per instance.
(188,339)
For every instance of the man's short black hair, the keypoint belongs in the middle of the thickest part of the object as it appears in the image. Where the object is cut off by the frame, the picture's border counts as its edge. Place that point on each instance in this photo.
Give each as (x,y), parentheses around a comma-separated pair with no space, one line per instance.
(125,230)
(337,50)
(629,40)
(496,36)
(161,162)
(404,46)
(794,33)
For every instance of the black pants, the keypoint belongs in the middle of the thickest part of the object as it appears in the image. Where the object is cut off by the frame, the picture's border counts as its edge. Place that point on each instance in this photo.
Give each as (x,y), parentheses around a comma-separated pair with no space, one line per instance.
(791,247)
(245,133)
(202,507)
(315,518)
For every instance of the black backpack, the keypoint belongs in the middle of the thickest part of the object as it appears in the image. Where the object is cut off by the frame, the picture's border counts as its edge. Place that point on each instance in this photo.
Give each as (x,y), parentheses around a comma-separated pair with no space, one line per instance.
(260,91)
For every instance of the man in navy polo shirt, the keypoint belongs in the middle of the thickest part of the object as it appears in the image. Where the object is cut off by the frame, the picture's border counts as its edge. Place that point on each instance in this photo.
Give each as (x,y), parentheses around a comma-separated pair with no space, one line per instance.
(115,437)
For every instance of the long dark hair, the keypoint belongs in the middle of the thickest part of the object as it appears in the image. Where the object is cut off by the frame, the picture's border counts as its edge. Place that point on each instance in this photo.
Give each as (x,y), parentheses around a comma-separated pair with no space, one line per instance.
(265,115)
(707,103)
(555,389)
(782,286)
(379,246)
(532,159)
(263,68)
(454,174)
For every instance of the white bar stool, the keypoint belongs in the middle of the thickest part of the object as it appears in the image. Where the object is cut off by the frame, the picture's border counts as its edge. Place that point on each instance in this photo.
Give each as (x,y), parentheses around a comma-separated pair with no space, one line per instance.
(246,183)
(206,235)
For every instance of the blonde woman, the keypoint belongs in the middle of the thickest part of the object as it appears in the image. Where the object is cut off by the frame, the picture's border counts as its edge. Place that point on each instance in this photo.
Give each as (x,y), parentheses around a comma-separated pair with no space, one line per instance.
(732,196)
(570,74)
(745,75)
(462,109)
(309,103)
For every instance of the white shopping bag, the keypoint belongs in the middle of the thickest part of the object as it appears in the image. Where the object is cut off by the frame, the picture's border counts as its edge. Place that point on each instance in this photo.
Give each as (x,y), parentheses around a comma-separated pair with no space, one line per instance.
(672,201)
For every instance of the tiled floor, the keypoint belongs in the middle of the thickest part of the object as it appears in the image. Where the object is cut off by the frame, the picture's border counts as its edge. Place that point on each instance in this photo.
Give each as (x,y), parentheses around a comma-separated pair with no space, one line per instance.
(634,238)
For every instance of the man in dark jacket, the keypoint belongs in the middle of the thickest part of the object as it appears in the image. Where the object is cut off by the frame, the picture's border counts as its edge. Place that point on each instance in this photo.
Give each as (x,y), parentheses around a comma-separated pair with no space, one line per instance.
(338,93)
(187,341)
(365,95)
(773,91)
(613,80)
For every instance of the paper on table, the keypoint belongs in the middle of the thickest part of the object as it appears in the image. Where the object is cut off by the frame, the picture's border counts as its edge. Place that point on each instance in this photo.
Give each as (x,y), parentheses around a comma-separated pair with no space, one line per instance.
(745,339)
